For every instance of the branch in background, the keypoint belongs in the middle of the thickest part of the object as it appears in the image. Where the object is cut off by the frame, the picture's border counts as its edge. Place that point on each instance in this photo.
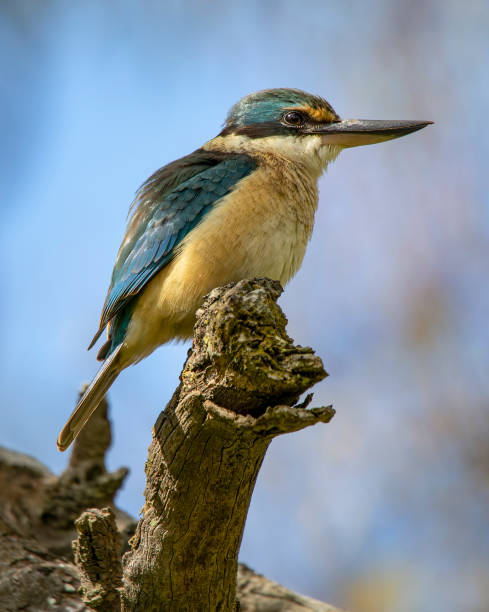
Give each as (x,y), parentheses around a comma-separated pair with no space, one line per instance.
(258,594)
(86,483)
(31,577)
(37,511)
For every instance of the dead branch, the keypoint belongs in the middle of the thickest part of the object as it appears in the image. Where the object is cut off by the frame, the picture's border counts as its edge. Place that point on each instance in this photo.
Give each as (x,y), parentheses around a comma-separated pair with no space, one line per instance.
(238,390)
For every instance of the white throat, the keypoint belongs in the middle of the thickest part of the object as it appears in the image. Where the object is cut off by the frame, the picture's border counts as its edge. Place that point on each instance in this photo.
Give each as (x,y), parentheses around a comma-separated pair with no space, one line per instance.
(308,151)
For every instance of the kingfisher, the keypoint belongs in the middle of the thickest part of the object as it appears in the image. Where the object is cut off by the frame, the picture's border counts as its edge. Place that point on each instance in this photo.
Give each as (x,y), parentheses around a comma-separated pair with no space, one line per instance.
(241,206)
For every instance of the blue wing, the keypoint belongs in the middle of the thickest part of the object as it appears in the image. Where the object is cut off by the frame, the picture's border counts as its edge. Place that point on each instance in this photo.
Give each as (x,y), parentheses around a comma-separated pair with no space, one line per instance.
(167,207)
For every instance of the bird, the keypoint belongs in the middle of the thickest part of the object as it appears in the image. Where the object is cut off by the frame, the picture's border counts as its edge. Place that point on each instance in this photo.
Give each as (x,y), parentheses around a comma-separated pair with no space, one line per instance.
(241,206)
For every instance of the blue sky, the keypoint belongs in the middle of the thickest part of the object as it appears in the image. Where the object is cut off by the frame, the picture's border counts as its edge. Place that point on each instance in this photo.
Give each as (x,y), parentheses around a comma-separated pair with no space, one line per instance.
(393,292)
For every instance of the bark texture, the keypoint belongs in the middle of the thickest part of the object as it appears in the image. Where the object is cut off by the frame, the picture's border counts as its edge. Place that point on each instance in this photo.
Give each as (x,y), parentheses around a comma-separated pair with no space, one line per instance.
(97,553)
(239,386)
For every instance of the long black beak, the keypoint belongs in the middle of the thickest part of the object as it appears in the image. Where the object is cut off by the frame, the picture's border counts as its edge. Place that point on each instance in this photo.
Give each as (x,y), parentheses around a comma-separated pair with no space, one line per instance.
(356,132)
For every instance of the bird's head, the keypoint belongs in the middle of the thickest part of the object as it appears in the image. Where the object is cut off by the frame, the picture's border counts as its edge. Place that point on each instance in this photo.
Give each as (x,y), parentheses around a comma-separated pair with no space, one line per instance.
(289,119)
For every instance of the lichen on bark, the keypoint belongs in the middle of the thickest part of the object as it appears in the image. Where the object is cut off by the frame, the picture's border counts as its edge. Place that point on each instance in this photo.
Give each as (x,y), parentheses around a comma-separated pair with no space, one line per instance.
(238,390)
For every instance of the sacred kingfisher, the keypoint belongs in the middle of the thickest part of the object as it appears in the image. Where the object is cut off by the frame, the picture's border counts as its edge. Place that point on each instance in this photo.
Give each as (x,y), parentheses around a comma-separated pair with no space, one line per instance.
(241,206)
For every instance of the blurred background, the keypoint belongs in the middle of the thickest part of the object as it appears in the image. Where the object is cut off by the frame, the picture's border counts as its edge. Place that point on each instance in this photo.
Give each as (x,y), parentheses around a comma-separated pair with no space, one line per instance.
(386,508)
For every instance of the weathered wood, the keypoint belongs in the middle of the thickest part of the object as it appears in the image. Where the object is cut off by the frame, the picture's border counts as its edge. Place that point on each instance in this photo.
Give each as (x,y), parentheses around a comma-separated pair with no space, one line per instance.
(238,388)
(97,552)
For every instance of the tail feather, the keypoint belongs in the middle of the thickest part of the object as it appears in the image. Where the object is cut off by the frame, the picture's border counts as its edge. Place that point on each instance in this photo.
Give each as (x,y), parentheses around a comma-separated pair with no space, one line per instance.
(90,400)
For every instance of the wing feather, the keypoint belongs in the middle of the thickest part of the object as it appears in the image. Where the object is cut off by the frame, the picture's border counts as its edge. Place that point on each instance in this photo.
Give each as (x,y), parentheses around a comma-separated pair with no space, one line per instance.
(167,207)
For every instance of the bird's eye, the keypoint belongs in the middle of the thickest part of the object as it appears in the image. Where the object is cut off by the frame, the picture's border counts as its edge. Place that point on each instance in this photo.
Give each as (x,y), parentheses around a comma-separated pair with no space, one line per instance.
(294,118)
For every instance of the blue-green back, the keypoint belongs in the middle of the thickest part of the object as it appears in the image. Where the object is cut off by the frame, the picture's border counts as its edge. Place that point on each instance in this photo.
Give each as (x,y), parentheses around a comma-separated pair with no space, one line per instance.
(167,207)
